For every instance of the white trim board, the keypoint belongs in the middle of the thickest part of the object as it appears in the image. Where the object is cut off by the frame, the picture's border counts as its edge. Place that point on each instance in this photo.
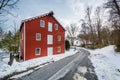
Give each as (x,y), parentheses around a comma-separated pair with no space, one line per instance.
(24,42)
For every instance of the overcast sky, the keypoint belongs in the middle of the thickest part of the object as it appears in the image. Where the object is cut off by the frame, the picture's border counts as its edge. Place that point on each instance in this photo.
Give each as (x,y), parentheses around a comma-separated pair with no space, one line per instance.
(65,11)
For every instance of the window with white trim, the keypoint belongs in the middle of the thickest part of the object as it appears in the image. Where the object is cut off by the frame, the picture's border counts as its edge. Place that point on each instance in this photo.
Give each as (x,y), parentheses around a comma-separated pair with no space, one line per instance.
(38,51)
(59,38)
(38,36)
(42,23)
(49,39)
(49,26)
(59,49)
(56,26)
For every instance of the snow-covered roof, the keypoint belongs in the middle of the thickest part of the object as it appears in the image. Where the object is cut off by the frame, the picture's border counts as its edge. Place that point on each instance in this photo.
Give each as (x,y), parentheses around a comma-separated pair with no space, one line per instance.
(29,19)
(40,16)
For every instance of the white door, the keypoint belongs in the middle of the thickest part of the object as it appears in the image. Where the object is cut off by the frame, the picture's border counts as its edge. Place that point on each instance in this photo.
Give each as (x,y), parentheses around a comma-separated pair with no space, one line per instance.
(50,51)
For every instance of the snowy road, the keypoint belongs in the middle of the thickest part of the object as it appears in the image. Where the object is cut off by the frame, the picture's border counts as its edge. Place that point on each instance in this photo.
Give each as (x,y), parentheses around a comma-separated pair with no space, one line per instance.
(82,70)
(75,67)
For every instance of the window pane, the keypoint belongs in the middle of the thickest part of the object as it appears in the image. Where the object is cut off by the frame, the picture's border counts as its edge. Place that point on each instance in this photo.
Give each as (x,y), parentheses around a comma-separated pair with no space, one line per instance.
(37,51)
(59,49)
(42,23)
(56,27)
(50,39)
(59,38)
(38,36)
(49,26)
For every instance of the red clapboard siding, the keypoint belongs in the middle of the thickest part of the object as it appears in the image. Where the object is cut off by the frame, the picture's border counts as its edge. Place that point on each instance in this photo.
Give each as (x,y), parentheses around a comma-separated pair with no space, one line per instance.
(31,28)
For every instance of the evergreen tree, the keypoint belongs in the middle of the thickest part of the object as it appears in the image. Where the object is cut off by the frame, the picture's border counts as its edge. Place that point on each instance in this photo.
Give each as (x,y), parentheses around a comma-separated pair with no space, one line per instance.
(10,41)
(67,45)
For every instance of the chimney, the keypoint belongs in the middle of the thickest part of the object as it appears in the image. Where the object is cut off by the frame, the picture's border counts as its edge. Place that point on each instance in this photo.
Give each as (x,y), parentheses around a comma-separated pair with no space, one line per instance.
(51,13)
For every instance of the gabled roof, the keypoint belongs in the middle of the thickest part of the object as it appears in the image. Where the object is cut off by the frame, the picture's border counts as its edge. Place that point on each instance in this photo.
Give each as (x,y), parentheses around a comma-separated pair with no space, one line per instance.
(29,19)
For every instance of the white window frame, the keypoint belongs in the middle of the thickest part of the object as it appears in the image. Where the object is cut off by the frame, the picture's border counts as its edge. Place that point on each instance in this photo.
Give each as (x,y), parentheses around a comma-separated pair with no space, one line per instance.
(39,51)
(39,35)
(48,39)
(50,26)
(58,49)
(43,23)
(59,37)
(56,26)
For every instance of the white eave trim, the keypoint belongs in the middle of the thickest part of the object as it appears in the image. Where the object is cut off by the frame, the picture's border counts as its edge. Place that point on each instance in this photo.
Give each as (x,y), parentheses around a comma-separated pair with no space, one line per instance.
(29,19)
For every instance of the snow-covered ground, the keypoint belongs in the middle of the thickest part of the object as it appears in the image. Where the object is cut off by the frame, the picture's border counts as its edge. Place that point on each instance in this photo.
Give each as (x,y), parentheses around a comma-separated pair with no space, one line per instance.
(5,69)
(106,62)
(4,58)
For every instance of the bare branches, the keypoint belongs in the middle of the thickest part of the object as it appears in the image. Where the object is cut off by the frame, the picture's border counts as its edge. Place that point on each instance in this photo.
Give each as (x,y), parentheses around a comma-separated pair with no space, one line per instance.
(71,32)
(114,6)
(7,4)
(114,9)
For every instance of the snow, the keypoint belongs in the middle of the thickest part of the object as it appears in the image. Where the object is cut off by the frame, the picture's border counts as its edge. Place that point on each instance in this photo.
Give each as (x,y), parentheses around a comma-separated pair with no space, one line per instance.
(22,74)
(106,62)
(5,69)
(77,42)
(77,76)
(4,58)
(82,69)
(1,50)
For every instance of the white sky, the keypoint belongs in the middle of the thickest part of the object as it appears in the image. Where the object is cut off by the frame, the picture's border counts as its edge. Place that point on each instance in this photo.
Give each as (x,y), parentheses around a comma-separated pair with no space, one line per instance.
(65,11)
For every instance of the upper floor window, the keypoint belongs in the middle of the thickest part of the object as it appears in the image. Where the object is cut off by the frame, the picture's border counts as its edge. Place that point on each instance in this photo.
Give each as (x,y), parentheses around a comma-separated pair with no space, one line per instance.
(38,51)
(42,23)
(59,38)
(50,26)
(56,26)
(38,36)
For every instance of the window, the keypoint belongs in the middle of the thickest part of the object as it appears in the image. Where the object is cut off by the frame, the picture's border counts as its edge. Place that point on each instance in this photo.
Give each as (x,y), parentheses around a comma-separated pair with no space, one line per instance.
(50,26)
(38,36)
(59,38)
(50,39)
(56,26)
(59,49)
(38,51)
(42,23)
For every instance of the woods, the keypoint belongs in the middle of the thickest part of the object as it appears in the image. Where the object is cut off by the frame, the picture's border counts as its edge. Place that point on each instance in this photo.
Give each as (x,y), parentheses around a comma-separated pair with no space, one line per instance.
(97,31)
(114,18)
(9,40)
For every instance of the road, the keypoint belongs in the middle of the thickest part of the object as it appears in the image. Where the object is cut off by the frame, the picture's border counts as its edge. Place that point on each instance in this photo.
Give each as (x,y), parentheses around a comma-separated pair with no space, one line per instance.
(65,69)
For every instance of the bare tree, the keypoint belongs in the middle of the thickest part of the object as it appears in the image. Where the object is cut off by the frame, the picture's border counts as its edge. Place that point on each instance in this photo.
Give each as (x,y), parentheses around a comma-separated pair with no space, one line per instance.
(84,33)
(98,25)
(114,9)
(88,20)
(5,7)
(5,4)
(71,32)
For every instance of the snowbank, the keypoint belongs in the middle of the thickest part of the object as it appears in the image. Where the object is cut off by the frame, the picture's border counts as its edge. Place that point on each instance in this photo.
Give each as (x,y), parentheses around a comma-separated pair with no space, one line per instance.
(5,69)
(106,62)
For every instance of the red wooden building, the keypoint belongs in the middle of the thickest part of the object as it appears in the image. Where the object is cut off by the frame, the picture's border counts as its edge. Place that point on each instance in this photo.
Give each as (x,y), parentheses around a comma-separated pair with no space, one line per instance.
(41,36)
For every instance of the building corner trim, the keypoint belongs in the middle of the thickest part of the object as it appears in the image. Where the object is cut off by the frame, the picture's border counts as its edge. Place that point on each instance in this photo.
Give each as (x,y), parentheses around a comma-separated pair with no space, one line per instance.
(24,42)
